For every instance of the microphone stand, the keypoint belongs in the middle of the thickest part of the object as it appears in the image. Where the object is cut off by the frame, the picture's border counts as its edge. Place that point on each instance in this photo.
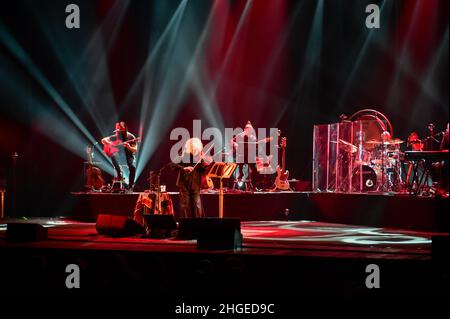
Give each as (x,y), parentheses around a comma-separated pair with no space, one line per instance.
(14,157)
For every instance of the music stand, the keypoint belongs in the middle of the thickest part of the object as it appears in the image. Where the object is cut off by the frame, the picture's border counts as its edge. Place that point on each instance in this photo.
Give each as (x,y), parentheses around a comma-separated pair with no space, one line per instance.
(221,170)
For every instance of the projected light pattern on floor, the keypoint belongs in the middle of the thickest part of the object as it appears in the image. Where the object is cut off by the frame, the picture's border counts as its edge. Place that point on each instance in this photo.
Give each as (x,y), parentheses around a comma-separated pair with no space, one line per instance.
(274,234)
(307,231)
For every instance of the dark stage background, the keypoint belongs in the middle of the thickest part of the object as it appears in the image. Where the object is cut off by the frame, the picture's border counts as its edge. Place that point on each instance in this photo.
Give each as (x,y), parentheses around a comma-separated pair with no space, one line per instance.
(161,64)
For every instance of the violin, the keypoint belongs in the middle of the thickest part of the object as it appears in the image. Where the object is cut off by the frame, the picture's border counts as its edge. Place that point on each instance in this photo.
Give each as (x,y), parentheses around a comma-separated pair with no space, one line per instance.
(206,160)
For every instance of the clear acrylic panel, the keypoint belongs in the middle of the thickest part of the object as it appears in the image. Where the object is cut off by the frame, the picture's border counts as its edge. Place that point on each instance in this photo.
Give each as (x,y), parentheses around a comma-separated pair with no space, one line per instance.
(342,156)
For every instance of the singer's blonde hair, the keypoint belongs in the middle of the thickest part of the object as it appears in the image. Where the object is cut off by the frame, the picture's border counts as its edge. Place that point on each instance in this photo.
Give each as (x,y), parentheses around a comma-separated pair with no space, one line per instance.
(193,146)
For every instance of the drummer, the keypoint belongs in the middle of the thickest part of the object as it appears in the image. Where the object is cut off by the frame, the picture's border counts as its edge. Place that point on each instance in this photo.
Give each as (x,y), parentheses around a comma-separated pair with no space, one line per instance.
(386,137)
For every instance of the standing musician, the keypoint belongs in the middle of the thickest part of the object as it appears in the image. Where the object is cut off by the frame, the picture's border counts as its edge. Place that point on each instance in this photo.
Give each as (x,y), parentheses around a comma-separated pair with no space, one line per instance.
(444,141)
(192,164)
(122,144)
(444,164)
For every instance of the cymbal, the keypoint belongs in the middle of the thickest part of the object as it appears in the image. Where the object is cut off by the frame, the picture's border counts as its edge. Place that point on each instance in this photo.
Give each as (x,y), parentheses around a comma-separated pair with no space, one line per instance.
(397,141)
(346,145)
(374,142)
(394,141)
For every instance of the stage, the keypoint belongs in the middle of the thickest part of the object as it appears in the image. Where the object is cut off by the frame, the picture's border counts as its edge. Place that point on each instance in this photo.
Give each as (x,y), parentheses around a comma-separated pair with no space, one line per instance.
(278,260)
(374,210)
(335,114)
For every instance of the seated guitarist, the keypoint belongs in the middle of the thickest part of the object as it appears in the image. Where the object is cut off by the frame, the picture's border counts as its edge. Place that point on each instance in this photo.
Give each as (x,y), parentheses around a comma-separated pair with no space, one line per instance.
(243,154)
(121,148)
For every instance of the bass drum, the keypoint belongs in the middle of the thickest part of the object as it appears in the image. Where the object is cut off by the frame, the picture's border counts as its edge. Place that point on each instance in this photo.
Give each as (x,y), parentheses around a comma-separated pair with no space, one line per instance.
(366,178)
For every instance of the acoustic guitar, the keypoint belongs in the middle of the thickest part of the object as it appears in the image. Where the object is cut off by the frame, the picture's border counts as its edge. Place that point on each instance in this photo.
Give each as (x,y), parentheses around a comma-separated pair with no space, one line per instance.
(111,148)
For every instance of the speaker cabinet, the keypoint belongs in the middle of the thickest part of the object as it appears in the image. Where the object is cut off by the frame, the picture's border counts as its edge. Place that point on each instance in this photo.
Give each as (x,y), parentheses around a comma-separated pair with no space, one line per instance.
(440,249)
(25,232)
(212,233)
(118,226)
(160,226)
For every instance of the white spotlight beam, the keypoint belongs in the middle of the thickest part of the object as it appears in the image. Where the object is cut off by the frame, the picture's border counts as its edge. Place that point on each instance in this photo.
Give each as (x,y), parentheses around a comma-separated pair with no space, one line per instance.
(88,71)
(15,48)
(151,57)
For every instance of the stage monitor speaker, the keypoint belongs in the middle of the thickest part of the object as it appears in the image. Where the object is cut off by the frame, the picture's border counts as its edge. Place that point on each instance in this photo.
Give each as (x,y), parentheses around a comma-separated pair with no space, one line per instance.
(160,225)
(212,233)
(25,232)
(440,249)
(187,228)
(118,226)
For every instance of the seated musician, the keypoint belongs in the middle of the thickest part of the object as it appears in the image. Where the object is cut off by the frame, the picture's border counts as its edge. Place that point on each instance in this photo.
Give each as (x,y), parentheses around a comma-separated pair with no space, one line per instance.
(415,143)
(386,137)
(245,156)
(124,146)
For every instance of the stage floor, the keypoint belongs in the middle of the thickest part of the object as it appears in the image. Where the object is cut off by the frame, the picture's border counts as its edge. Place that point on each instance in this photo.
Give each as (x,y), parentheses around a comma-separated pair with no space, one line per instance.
(279,260)
(261,237)
(371,210)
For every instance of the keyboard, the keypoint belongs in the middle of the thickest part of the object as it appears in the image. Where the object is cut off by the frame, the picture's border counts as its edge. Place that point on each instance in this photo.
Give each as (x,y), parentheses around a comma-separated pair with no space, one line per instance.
(427,155)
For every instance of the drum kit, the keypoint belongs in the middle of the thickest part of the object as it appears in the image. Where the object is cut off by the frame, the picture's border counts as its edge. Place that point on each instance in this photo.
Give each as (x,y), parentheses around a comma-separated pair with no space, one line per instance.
(376,165)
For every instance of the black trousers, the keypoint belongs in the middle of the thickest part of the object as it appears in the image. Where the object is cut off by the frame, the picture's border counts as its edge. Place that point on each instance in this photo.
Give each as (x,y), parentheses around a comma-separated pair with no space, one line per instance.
(251,174)
(131,168)
(190,204)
